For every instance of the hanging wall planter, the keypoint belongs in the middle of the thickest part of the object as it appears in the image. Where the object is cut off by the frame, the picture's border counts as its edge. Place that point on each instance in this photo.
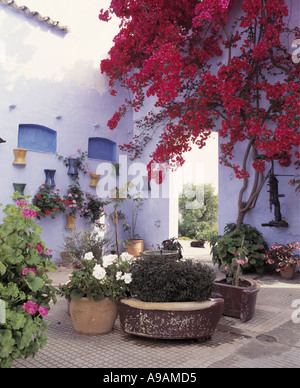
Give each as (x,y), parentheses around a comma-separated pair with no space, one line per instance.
(19,156)
(70,222)
(50,178)
(94,180)
(73,167)
(19,187)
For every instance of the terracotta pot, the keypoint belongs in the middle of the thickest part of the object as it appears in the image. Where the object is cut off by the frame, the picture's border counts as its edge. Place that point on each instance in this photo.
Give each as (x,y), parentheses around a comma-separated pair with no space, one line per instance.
(288,273)
(170,320)
(70,222)
(19,156)
(135,247)
(93,318)
(239,301)
(94,180)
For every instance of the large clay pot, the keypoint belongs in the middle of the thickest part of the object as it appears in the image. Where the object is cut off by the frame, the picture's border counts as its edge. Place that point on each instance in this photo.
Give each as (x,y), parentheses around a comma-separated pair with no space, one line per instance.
(93,318)
(50,177)
(135,247)
(181,320)
(239,301)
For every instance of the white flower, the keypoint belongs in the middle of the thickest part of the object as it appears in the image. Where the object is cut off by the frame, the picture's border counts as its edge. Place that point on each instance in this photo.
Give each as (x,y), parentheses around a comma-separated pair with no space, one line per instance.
(119,275)
(99,272)
(127,278)
(125,256)
(88,256)
(108,260)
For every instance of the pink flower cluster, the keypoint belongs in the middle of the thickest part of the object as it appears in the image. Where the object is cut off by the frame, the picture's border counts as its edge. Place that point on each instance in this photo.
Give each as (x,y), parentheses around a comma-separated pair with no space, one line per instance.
(32,308)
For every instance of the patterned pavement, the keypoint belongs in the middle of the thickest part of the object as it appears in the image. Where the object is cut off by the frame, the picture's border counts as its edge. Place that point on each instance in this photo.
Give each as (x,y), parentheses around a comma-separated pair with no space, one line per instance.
(271,339)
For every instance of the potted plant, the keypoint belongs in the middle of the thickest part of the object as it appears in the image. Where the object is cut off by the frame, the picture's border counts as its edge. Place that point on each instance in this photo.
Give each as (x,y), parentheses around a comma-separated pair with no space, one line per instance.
(25,289)
(49,202)
(74,202)
(284,258)
(170,299)
(94,290)
(93,209)
(75,163)
(134,244)
(239,293)
(91,239)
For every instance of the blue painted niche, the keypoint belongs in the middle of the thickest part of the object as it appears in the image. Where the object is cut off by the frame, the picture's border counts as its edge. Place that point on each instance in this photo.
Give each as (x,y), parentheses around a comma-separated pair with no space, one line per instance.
(101,148)
(37,138)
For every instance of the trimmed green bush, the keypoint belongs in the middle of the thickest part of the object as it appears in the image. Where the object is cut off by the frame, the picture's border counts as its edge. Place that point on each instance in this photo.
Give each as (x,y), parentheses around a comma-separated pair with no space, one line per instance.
(167,280)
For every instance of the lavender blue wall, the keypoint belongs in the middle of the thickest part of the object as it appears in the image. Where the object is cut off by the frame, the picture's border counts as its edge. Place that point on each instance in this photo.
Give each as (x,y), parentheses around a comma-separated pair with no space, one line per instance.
(71,98)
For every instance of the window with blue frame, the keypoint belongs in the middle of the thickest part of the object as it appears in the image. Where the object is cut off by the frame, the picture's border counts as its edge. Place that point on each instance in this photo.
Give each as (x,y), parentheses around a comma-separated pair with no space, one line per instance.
(37,138)
(101,148)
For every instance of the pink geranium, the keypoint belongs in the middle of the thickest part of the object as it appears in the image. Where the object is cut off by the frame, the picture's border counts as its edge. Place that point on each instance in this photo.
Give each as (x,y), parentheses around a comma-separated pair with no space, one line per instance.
(30,307)
(25,270)
(28,213)
(43,311)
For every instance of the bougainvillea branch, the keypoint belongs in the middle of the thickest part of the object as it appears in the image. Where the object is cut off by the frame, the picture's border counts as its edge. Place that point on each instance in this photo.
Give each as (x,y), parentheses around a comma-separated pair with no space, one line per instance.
(211,65)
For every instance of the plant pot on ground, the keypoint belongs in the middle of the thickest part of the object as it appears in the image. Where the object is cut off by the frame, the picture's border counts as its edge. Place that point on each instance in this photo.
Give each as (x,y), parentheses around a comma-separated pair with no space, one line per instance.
(170,300)
(93,292)
(239,294)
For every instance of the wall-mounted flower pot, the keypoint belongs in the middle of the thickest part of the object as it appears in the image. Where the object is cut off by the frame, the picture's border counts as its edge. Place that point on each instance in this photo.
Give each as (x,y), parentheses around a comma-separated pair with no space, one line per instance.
(19,156)
(181,320)
(73,167)
(50,178)
(19,187)
(94,180)
(70,222)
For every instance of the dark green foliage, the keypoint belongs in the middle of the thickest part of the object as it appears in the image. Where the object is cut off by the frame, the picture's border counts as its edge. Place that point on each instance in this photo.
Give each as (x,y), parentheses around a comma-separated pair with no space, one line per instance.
(167,280)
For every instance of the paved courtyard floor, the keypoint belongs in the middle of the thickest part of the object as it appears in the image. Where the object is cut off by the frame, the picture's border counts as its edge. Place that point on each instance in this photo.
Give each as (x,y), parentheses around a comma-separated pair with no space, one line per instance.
(271,339)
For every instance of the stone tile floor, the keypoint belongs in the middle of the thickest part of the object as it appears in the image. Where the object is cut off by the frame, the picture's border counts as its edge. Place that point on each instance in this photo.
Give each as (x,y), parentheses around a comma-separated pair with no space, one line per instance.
(269,340)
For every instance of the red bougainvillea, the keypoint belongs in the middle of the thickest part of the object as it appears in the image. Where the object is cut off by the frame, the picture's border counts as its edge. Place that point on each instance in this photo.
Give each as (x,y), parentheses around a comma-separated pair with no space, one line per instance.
(214,65)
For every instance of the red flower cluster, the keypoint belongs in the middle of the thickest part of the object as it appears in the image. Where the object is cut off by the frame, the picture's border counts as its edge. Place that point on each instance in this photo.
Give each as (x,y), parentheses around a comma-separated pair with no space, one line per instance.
(166,49)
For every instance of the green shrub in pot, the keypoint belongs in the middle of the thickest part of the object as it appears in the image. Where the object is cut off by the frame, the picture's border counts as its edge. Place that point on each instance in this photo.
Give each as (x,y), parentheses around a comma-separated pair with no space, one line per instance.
(167,280)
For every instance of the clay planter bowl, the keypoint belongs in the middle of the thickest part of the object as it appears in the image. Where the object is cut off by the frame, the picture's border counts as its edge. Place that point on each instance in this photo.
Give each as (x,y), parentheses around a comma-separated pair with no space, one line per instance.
(239,301)
(181,320)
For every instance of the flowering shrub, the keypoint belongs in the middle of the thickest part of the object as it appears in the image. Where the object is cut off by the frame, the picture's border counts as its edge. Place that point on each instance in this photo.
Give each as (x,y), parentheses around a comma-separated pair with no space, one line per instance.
(166,50)
(74,200)
(49,202)
(226,247)
(233,270)
(24,285)
(283,255)
(99,278)
(93,209)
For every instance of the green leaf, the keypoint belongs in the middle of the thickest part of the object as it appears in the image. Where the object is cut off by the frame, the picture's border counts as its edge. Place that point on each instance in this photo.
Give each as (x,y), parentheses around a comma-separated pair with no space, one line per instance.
(77,294)
(35,283)
(2,269)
